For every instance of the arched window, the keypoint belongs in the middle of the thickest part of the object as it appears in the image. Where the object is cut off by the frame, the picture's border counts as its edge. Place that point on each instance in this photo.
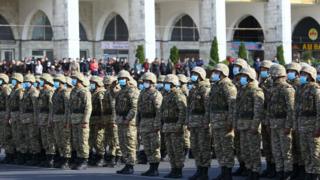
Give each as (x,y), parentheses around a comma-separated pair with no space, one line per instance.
(116,30)
(41,27)
(5,31)
(83,34)
(185,30)
(305,29)
(249,30)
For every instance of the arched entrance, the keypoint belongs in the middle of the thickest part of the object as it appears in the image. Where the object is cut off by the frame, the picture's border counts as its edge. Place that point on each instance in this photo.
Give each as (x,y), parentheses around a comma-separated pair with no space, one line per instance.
(6,35)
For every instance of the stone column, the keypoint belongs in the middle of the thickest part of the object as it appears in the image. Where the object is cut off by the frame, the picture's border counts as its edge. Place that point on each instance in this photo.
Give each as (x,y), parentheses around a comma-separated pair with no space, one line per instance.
(66,28)
(142,28)
(278,28)
(212,24)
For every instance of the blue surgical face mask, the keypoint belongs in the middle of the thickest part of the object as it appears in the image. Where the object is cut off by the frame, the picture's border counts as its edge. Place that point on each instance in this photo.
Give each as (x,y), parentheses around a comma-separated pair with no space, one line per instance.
(74,82)
(190,86)
(236,70)
(167,87)
(291,76)
(318,77)
(159,86)
(14,82)
(1,81)
(194,78)
(303,80)
(141,87)
(264,74)
(56,84)
(41,83)
(146,85)
(243,81)
(122,82)
(215,77)
(27,85)
(92,86)
(35,84)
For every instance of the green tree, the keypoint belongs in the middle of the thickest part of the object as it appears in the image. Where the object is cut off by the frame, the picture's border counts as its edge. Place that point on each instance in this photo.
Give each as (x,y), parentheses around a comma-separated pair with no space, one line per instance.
(174,55)
(214,53)
(140,54)
(242,53)
(280,55)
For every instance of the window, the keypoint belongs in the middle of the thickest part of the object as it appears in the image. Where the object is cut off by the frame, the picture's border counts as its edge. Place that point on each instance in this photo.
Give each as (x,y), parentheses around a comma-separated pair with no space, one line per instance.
(41,27)
(185,30)
(249,30)
(83,34)
(116,30)
(5,31)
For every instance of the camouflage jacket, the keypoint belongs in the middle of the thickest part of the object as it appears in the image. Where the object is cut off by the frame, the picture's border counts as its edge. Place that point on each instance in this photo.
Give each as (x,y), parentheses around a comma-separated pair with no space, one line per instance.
(149,104)
(5,91)
(197,105)
(80,105)
(60,104)
(45,106)
(265,85)
(97,106)
(295,83)
(109,104)
(15,103)
(127,105)
(221,104)
(29,105)
(307,107)
(185,90)
(281,105)
(173,111)
(249,107)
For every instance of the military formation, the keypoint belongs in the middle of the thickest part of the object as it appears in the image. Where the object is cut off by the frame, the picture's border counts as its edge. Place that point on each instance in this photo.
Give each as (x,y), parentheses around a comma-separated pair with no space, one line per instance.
(72,122)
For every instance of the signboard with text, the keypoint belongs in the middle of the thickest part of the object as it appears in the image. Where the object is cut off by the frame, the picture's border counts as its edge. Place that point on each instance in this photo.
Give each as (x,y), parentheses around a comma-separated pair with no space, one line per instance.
(119,45)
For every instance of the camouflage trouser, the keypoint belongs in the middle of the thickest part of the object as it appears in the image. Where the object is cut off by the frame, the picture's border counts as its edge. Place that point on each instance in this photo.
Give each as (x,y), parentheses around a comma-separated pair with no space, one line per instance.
(62,136)
(175,148)
(128,142)
(201,148)
(163,143)
(266,143)
(250,149)
(47,139)
(224,146)
(151,142)
(237,147)
(281,150)
(2,127)
(186,137)
(80,140)
(15,131)
(96,138)
(296,150)
(8,143)
(29,139)
(310,148)
(112,139)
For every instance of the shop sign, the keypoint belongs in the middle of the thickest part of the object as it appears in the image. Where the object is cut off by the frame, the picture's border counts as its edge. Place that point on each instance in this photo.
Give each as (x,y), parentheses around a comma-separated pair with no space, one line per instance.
(119,45)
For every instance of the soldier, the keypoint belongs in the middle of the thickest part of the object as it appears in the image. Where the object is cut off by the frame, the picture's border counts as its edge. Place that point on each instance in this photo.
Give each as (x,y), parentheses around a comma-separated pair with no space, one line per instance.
(149,104)
(159,86)
(221,105)
(307,122)
(6,135)
(97,121)
(183,80)
(318,74)
(111,128)
(80,109)
(293,73)
(140,84)
(198,124)
(265,84)
(29,118)
(238,65)
(45,118)
(60,119)
(126,110)
(160,81)
(280,114)
(249,109)
(15,100)
(173,114)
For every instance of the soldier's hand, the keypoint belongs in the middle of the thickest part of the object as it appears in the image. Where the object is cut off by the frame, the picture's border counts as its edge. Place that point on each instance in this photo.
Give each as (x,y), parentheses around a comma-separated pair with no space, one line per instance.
(317,133)
(66,126)
(287,131)
(254,131)
(126,122)
(84,125)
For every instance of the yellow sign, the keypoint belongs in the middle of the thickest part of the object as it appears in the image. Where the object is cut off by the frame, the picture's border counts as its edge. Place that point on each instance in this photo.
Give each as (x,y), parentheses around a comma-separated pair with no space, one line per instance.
(313,34)
(311,47)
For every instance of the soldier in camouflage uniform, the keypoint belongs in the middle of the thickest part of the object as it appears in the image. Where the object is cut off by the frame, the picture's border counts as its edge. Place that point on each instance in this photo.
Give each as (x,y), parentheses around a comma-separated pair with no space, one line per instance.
(126,111)
(149,104)
(307,121)
(45,118)
(238,65)
(220,111)
(249,110)
(160,82)
(318,74)
(6,135)
(159,86)
(111,128)
(183,80)
(265,84)
(280,115)
(29,122)
(293,73)
(15,100)
(97,121)
(80,109)
(173,114)
(61,120)
(198,124)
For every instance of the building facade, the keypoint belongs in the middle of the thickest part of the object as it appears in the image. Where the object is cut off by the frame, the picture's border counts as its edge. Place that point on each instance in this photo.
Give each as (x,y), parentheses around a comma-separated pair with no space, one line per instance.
(114,28)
